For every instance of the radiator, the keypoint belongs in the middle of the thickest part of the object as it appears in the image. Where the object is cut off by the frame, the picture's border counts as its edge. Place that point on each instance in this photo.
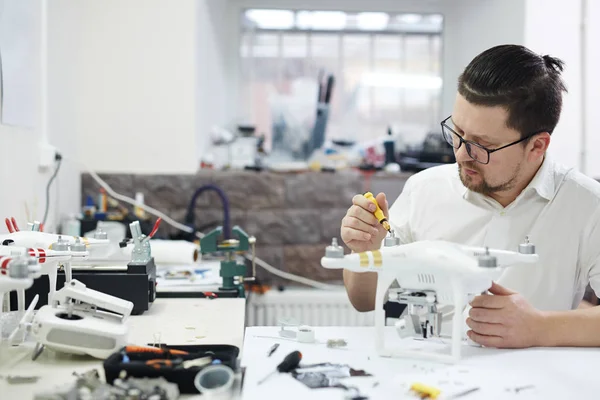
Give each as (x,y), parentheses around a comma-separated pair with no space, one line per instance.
(307,306)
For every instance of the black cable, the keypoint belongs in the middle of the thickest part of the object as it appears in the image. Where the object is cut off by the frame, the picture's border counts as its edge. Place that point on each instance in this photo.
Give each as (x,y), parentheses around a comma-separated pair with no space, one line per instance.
(58,159)
(190,214)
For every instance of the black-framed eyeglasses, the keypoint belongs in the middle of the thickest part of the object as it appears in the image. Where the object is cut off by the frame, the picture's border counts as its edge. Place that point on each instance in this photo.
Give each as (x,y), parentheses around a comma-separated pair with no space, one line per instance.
(476,151)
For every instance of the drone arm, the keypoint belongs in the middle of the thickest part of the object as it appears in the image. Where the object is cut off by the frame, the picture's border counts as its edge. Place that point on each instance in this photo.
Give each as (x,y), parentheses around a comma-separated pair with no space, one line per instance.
(504,258)
(351,262)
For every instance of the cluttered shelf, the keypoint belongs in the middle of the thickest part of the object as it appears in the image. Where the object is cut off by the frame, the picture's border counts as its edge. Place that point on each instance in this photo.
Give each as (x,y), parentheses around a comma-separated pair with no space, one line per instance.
(293,215)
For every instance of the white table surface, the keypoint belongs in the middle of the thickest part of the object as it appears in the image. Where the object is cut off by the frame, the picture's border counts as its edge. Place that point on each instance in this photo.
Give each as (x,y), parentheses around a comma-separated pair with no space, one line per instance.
(555,373)
(178,321)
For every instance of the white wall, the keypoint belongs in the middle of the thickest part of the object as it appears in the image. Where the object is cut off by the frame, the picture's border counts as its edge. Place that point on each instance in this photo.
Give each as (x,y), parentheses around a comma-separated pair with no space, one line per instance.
(21,181)
(217,75)
(592,84)
(553,27)
(470,27)
(134,63)
(122,97)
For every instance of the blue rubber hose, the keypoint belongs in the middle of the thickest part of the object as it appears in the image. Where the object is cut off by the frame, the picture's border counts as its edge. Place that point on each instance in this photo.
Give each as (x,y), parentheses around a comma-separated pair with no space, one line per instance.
(190,216)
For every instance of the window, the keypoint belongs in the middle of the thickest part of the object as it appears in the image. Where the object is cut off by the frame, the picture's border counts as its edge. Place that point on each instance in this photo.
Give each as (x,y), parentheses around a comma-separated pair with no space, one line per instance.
(387,70)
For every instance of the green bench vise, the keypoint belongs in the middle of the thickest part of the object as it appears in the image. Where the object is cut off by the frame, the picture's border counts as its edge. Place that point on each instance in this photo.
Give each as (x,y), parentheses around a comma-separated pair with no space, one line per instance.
(230,268)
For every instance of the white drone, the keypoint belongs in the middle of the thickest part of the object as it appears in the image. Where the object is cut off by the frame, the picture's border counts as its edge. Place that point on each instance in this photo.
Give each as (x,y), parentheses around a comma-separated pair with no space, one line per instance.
(17,272)
(50,249)
(34,237)
(430,274)
(78,321)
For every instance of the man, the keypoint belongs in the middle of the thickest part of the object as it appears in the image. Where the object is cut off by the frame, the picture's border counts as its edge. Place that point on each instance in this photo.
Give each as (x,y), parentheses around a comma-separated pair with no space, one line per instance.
(502,188)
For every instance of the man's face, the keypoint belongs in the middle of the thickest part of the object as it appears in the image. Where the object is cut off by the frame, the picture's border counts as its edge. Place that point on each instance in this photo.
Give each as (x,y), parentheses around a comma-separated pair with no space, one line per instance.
(487,127)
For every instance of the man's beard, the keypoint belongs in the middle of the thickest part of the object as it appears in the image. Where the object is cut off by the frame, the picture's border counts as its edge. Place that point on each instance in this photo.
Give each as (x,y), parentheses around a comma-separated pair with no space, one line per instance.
(484,187)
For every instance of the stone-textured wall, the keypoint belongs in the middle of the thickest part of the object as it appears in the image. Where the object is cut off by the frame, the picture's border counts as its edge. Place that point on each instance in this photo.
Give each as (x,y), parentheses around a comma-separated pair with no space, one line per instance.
(293,215)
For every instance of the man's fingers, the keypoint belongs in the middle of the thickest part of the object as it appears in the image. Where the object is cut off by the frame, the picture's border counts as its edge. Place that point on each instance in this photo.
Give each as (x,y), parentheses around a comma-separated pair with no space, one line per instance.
(383,204)
(489,301)
(363,202)
(487,315)
(349,234)
(500,290)
(484,328)
(355,223)
(487,341)
(363,215)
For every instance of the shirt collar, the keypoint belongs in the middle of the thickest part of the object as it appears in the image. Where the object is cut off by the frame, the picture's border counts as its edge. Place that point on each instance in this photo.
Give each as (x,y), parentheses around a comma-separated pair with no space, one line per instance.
(543,181)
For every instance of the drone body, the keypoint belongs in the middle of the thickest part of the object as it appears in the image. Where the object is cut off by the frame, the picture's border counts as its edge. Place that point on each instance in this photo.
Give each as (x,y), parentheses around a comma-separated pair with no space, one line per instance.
(430,274)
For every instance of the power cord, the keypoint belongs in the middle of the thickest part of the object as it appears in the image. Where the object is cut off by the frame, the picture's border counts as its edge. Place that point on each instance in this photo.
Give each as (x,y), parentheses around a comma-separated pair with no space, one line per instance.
(58,159)
(200,235)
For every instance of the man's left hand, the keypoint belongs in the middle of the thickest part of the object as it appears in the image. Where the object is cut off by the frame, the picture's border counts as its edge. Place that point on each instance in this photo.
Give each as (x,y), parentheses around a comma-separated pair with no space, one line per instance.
(504,320)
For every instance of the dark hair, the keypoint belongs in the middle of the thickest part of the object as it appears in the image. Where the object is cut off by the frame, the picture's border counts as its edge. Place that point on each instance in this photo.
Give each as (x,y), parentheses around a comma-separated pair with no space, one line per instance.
(528,85)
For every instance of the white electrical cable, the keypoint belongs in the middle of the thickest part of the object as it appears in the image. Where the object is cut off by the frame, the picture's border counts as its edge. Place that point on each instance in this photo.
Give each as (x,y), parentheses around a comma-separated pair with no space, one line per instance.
(185,228)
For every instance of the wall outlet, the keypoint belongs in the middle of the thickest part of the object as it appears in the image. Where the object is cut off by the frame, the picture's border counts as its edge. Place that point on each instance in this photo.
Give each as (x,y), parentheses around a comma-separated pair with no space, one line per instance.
(47,156)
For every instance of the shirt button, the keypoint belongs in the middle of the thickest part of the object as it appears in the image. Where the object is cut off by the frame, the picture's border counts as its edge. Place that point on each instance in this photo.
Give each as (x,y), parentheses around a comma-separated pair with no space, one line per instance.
(502,213)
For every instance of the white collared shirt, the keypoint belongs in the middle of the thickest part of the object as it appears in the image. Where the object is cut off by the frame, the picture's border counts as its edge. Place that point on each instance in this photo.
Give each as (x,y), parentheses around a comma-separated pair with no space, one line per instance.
(559,210)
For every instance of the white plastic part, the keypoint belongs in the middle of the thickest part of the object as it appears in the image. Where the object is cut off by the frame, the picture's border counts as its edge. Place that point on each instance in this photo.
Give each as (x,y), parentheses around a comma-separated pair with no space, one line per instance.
(215,382)
(306,334)
(448,269)
(75,290)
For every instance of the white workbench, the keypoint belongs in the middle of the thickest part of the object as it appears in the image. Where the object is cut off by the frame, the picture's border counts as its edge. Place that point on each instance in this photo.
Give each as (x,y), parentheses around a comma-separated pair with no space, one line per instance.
(540,373)
(177,321)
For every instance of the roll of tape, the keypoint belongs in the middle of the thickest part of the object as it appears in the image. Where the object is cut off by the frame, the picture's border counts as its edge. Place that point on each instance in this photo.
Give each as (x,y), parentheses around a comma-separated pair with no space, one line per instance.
(306,334)
(215,382)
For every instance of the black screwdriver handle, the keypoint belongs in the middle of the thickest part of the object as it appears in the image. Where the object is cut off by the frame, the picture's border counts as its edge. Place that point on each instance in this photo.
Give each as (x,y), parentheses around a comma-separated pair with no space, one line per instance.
(290,362)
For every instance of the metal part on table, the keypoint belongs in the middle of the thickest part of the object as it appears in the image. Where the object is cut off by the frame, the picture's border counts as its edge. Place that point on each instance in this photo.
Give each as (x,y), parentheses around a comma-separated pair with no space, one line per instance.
(526,247)
(19,268)
(141,252)
(100,234)
(18,379)
(486,260)
(61,244)
(90,386)
(422,313)
(335,343)
(78,245)
(391,239)
(334,250)
(230,269)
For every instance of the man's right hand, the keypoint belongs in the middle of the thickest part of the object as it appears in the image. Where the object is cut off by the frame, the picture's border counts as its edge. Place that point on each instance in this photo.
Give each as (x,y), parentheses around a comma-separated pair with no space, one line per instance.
(360,229)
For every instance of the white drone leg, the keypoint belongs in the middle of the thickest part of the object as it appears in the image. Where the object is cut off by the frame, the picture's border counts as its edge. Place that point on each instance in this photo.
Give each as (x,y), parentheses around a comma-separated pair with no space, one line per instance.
(457,319)
(21,299)
(383,283)
(379,317)
(68,272)
(52,279)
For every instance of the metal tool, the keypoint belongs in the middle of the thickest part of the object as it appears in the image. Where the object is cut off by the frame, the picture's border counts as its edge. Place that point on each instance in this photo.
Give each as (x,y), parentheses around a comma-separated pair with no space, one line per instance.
(289,363)
(463,393)
(230,269)
(378,212)
(19,379)
(272,349)
(425,391)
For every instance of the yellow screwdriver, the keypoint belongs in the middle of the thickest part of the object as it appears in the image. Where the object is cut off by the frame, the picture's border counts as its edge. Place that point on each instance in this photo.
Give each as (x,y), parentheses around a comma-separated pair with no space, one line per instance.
(378,212)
